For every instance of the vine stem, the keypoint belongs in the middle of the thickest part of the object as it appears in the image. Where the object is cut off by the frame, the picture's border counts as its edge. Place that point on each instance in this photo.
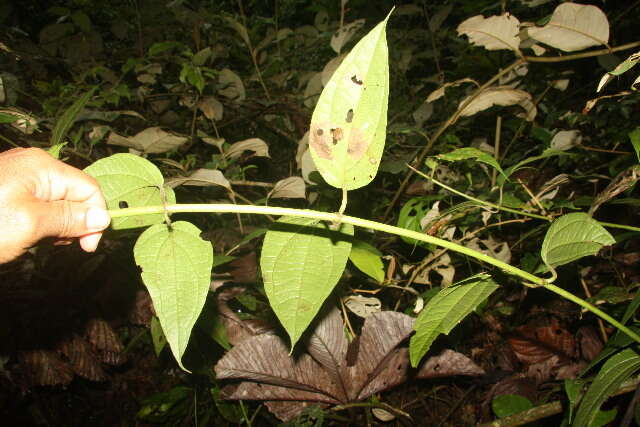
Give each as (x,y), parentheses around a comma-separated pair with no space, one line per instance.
(530,280)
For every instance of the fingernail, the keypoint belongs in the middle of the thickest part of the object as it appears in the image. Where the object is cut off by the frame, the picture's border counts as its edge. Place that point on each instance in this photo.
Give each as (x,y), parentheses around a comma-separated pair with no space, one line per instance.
(97,219)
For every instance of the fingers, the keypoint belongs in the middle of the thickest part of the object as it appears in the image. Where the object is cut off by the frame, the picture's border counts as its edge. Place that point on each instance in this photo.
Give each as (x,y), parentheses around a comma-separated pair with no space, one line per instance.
(65,219)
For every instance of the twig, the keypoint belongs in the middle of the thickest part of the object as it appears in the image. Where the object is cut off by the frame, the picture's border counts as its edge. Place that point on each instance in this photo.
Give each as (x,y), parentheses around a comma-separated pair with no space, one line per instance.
(587,292)
(549,409)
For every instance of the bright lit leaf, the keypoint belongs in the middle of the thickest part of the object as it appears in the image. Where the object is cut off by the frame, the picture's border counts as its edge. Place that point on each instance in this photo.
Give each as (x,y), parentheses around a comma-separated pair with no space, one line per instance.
(367,259)
(444,311)
(176,269)
(302,260)
(129,181)
(572,237)
(349,123)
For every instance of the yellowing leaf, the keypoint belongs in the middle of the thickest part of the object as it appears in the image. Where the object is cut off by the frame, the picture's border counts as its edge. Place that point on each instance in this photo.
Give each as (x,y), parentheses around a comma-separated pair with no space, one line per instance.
(492,33)
(150,140)
(503,96)
(348,127)
(176,269)
(574,27)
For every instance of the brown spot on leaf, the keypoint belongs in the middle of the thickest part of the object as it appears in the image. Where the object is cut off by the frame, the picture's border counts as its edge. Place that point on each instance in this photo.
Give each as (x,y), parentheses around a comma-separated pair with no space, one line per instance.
(349,118)
(358,144)
(337,134)
(355,79)
(320,141)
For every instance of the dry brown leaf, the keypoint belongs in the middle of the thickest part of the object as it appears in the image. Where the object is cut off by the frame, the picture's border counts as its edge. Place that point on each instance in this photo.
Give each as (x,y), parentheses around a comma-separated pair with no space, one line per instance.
(344,34)
(363,306)
(231,85)
(84,361)
(289,188)
(449,363)
(211,108)
(43,367)
(151,140)
(202,178)
(503,96)
(323,375)
(257,145)
(439,93)
(573,27)
(492,33)
(537,344)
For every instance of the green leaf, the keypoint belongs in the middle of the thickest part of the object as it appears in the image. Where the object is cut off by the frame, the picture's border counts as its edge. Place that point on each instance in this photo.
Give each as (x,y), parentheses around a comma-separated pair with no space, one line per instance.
(68,118)
(301,262)
(572,237)
(367,259)
(176,269)
(157,336)
(131,181)
(349,123)
(510,404)
(472,153)
(8,118)
(446,310)
(573,388)
(634,136)
(613,373)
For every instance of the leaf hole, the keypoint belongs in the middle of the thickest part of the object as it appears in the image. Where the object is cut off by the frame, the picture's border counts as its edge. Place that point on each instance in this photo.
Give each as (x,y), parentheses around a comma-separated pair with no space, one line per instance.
(122,204)
(349,118)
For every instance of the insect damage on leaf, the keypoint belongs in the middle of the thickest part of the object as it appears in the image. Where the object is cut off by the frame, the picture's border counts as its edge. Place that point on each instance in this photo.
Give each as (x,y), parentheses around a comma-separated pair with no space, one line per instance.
(348,126)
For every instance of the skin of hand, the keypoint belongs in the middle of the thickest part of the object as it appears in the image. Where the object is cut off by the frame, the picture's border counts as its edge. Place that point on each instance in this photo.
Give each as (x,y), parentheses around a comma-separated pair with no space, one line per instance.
(44,197)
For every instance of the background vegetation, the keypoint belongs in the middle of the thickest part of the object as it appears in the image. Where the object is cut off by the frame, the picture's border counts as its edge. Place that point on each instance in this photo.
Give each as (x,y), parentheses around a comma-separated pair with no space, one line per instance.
(196,86)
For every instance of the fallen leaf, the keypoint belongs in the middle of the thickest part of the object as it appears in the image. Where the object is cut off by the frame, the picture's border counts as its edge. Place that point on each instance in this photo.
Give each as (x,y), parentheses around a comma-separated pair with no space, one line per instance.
(322,375)
(449,363)
(534,344)
(363,306)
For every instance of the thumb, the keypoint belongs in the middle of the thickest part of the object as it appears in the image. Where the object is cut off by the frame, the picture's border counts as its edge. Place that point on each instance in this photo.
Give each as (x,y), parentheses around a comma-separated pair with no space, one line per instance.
(63,218)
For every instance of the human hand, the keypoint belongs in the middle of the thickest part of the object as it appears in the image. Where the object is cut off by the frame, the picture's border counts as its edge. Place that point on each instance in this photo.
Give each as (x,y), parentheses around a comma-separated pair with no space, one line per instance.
(44,197)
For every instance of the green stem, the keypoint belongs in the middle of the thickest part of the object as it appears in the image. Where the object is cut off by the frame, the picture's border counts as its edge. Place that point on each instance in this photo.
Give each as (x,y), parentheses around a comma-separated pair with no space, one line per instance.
(530,279)
(514,211)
